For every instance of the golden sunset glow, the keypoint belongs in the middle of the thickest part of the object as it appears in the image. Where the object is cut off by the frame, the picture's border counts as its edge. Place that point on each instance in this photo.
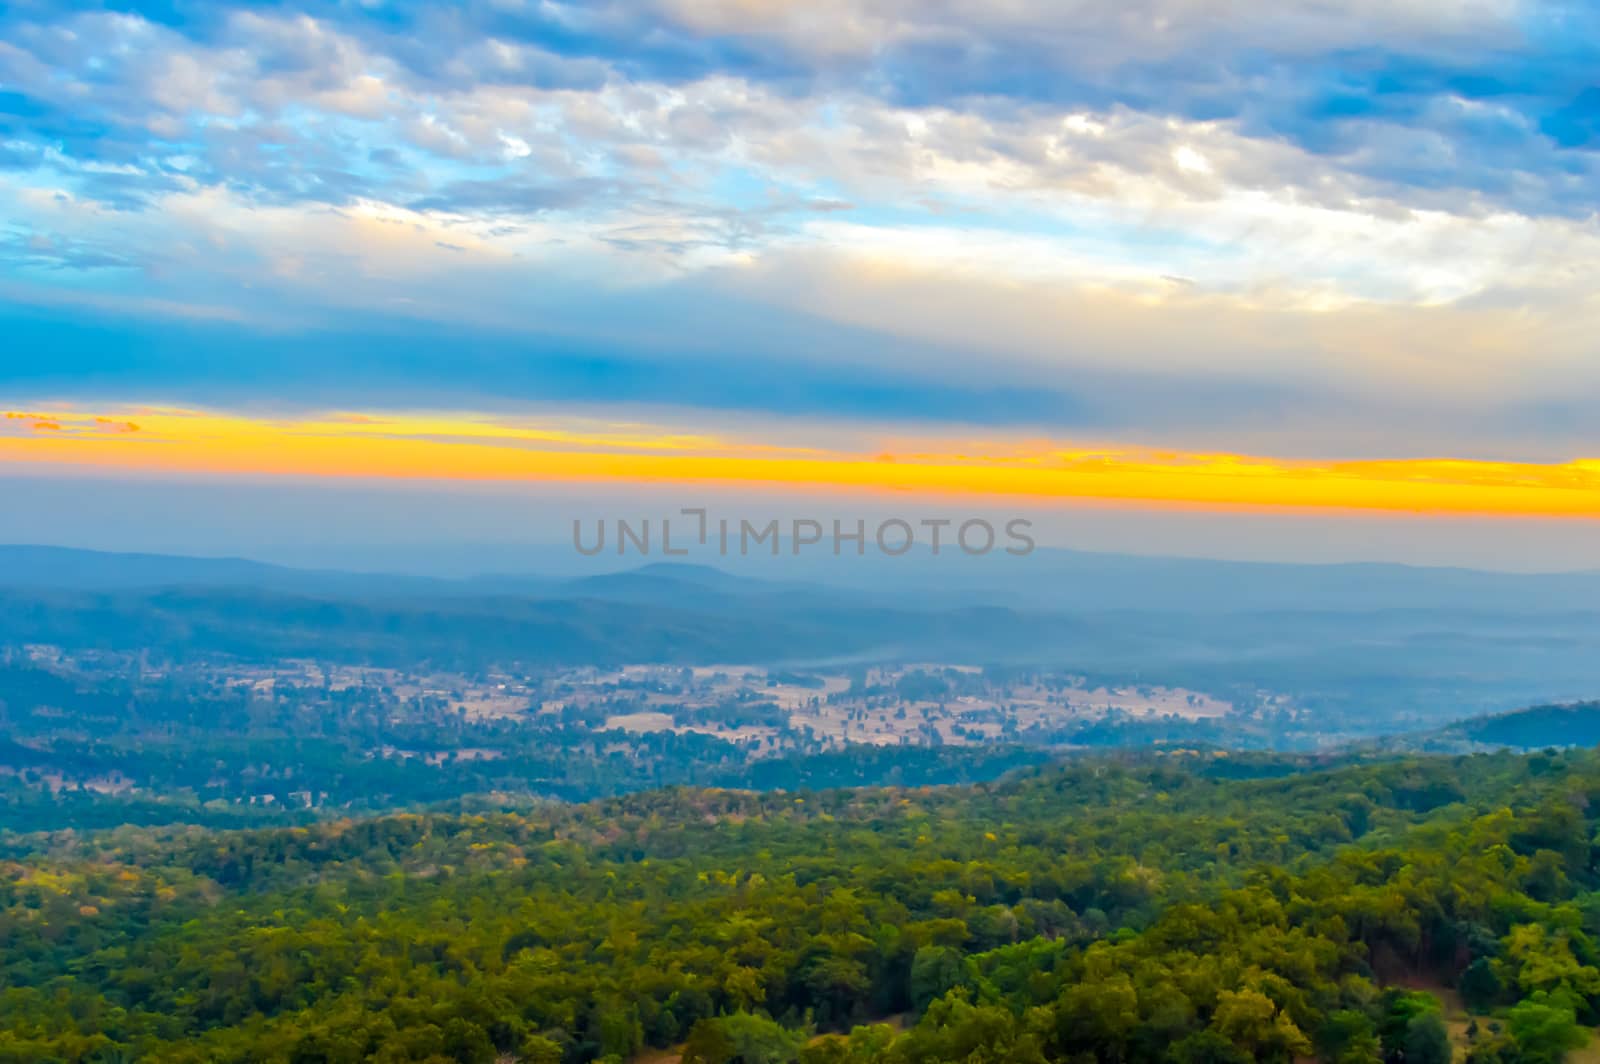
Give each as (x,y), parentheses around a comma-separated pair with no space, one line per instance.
(481,448)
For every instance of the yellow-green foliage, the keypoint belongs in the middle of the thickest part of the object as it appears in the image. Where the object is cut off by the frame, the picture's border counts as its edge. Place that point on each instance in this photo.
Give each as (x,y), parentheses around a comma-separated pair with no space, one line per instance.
(1114,909)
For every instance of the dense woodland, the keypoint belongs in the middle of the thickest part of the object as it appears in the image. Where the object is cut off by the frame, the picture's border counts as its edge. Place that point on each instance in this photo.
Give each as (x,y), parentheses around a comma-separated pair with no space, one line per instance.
(1185,908)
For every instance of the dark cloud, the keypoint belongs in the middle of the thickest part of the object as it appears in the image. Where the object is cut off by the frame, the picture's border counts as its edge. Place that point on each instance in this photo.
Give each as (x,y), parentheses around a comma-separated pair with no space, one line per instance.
(1497,97)
(385,362)
(705,358)
(1515,97)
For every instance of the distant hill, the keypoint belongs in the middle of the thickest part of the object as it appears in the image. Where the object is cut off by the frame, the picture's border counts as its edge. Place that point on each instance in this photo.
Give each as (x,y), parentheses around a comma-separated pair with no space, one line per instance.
(472,631)
(1056,579)
(1574,724)
(1538,727)
(1345,671)
(64,568)
(682,585)
(1048,579)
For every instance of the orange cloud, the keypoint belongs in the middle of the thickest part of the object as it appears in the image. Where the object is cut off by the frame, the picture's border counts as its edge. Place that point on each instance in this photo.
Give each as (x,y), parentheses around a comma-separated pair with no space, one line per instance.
(480,448)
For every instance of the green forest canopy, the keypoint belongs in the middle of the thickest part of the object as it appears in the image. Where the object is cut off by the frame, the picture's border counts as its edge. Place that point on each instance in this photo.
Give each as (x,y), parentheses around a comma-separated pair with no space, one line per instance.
(1179,907)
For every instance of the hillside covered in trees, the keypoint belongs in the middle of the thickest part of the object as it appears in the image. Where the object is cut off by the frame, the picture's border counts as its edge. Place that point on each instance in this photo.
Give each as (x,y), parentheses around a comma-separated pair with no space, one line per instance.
(1185,907)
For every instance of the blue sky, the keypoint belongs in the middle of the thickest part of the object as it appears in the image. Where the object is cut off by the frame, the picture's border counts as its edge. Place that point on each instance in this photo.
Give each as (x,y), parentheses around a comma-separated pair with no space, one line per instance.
(1353,229)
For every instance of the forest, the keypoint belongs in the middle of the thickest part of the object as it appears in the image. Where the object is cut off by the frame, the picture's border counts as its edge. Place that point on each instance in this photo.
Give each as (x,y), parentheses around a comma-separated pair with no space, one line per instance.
(1176,907)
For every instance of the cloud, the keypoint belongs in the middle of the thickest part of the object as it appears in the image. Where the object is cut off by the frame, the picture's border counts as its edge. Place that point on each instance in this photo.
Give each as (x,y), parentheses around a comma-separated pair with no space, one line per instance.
(1159,218)
(1325,306)
(1487,98)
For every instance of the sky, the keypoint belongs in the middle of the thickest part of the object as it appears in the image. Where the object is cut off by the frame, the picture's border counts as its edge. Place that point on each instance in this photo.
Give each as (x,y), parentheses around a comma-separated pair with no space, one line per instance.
(1155,267)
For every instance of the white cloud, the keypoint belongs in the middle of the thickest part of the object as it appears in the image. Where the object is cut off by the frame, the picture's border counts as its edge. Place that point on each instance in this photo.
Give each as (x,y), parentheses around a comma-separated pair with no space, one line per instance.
(291,169)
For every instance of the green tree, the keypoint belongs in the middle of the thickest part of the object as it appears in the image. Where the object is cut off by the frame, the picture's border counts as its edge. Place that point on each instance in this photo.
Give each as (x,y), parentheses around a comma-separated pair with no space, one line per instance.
(1207,1047)
(935,970)
(1427,1041)
(1480,987)
(1544,1031)
(1350,1037)
(742,1038)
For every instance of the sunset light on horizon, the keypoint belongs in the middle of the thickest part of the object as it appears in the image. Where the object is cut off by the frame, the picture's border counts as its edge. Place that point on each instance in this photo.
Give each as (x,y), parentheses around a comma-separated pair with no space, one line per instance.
(446,447)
